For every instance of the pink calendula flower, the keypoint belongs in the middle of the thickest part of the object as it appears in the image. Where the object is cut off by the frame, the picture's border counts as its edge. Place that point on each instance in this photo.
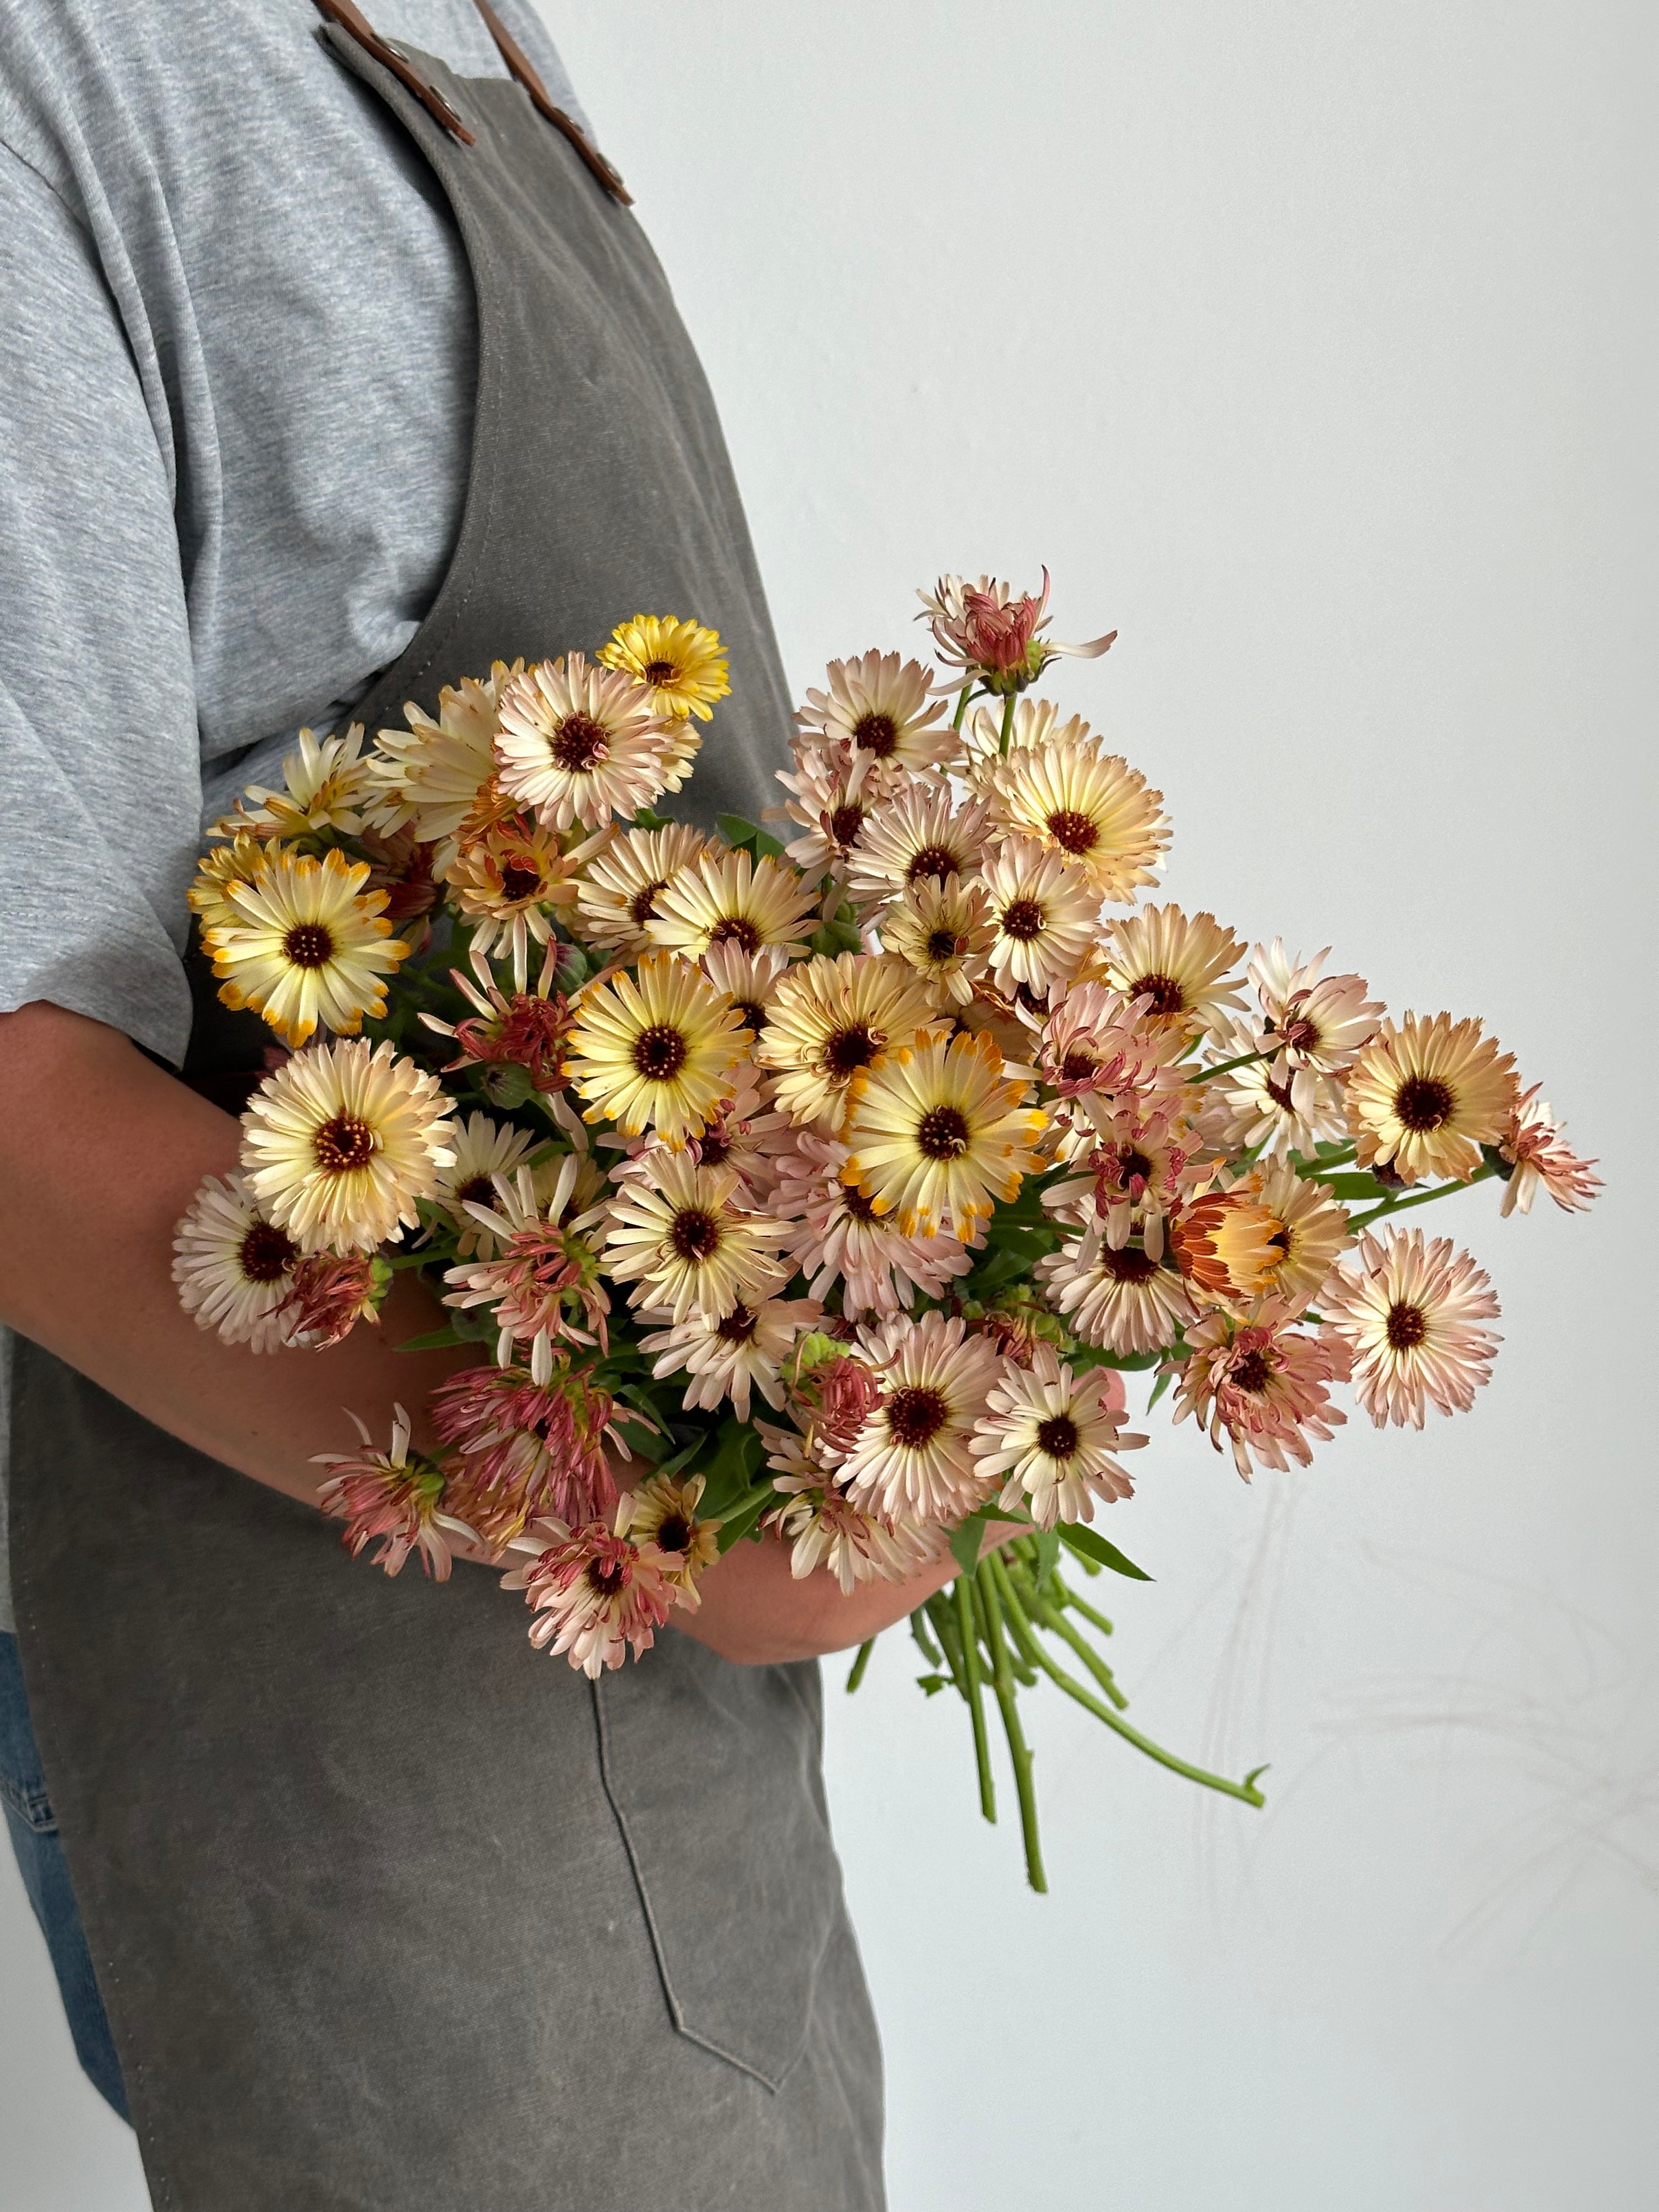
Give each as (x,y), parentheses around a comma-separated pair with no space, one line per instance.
(1412,1314)
(525,1030)
(526,1449)
(392,1499)
(1054,1437)
(595,1594)
(1532,1156)
(914,1456)
(992,634)
(825,1529)
(732,1355)
(541,1281)
(836,1235)
(328,1295)
(1262,1385)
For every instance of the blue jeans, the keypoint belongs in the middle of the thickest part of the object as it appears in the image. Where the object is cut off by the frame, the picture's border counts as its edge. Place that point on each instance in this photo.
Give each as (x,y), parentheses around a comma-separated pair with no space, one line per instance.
(39,1852)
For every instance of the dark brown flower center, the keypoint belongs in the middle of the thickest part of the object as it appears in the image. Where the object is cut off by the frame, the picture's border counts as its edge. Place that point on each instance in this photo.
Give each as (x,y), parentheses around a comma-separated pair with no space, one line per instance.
(1022,919)
(712,1151)
(738,1326)
(1165,993)
(642,905)
(846,823)
(343,1144)
(477,1190)
(1424,1101)
(660,1053)
(945,944)
(753,1013)
(735,929)
(607,1577)
(1406,1327)
(580,743)
(660,671)
(936,863)
(673,1533)
(875,733)
(1253,1373)
(1128,1265)
(266,1255)
(1057,1436)
(943,1133)
(1133,1164)
(857,1204)
(520,880)
(1077,1066)
(694,1234)
(308,945)
(854,1046)
(1074,832)
(915,1417)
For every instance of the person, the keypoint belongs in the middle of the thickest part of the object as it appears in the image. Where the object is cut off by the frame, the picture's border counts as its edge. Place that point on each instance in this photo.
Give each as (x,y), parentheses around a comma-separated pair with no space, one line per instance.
(336,366)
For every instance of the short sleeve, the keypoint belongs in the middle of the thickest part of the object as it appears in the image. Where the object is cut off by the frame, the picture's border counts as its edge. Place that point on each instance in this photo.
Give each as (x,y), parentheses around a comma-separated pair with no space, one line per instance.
(99,764)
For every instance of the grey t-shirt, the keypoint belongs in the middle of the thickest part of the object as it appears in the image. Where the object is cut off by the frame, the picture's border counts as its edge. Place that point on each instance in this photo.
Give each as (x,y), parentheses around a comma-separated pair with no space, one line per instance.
(237,363)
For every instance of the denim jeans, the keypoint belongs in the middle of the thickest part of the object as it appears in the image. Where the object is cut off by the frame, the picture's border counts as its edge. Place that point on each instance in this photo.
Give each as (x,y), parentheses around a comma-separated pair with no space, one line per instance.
(39,1852)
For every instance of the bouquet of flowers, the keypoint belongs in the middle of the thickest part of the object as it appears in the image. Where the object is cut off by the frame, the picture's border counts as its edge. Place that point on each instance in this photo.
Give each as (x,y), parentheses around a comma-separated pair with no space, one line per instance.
(825,1183)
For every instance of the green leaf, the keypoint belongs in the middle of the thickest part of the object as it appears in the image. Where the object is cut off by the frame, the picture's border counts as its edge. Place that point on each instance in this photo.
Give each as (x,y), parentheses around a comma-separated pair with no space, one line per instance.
(1160,1387)
(1048,1554)
(435,1340)
(741,1523)
(1351,1187)
(1077,1537)
(747,836)
(966,1540)
(931,1685)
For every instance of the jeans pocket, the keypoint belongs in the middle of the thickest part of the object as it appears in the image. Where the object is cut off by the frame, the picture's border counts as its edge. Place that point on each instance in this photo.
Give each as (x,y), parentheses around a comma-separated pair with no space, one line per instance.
(22,1785)
(712,1772)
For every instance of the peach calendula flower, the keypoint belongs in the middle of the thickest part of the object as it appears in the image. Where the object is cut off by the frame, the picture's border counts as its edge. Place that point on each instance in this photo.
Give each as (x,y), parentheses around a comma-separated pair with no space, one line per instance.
(617,890)
(1425,1095)
(745,1133)
(914,1456)
(749,980)
(1121,1300)
(428,777)
(578,742)
(1044,914)
(663,1513)
(509,883)
(1074,796)
(1531,1156)
(833,792)
(726,898)
(391,1498)
(917,836)
(994,633)
(880,705)
(835,1235)
(1314,1025)
(523,1448)
(1310,1234)
(1053,1436)
(328,1294)
(525,1030)
(681,665)
(482,1150)
(829,1018)
(655,1049)
(1178,962)
(943,931)
(595,1595)
(341,1143)
(685,1243)
(326,786)
(540,1280)
(825,1530)
(741,1351)
(1223,1242)
(232,1265)
(1411,1314)
(306,947)
(1142,1162)
(1264,1387)
(1250,1110)
(938,1134)
(1035,723)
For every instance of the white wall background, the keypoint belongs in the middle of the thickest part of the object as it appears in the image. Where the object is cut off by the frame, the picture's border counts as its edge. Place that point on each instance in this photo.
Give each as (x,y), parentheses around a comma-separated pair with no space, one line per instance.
(1311,345)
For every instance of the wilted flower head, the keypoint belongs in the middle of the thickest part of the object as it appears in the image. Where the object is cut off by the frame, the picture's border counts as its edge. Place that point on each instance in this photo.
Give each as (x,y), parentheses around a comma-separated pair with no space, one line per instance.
(525,1447)
(1531,1156)
(1262,1385)
(994,635)
(389,1498)
(595,1594)
(329,1295)
(525,1030)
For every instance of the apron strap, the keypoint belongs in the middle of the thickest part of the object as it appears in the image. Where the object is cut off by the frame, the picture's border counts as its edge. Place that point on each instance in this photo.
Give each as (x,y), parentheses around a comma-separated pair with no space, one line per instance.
(521,67)
(350,18)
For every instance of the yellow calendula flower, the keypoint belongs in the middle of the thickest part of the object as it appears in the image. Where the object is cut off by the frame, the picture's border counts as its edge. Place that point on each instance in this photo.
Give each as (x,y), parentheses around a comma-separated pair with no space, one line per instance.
(305,944)
(938,1134)
(682,664)
(830,1018)
(218,869)
(655,1050)
(726,898)
(1424,1096)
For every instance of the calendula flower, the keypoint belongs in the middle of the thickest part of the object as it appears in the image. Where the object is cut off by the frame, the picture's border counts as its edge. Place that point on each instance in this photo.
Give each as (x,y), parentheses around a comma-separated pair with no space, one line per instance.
(749,980)
(1075,796)
(914,1456)
(428,777)
(917,836)
(1316,1025)
(684,1241)
(541,1282)
(1531,1156)
(1053,1436)
(1253,1109)
(482,1150)
(726,898)
(938,1134)
(1177,962)
(833,792)
(216,870)
(232,1265)
(578,742)
(525,1030)
(525,1447)
(943,931)
(880,705)
(829,1018)
(1411,1315)
(741,1351)
(1114,1074)
(994,633)
(327,785)
(1121,1300)
(835,1235)
(594,1595)
(1223,1243)
(825,1529)
(1264,1387)
(1035,722)
(1044,915)
(307,946)
(341,1144)
(682,665)
(509,883)
(1424,1096)
(655,1049)
(663,1513)
(616,893)
(328,1294)
(393,1499)
(748,1134)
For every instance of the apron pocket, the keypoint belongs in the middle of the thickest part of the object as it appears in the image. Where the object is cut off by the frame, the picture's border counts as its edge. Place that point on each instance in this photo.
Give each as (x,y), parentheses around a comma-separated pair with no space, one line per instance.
(742,1896)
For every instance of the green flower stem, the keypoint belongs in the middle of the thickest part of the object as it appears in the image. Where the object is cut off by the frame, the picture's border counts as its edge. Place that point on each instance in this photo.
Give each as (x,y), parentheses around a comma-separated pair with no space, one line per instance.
(1054,1619)
(962,706)
(1018,1750)
(1027,1635)
(988,1788)
(859,1664)
(1359,1221)
(1328,1166)
(930,1650)
(1069,1596)
(1226,1066)
(1007,732)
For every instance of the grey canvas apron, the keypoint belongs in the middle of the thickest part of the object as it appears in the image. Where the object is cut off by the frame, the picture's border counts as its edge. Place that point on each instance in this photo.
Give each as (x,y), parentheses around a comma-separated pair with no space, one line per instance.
(387,1910)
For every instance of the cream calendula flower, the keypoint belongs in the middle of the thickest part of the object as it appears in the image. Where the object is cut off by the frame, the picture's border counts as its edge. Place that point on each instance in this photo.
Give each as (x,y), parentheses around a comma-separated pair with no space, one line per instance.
(918,836)
(1178,962)
(1253,1109)
(882,706)
(749,980)
(830,1018)
(1121,1300)
(1274,1235)
(914,1456)
(655,1049)
(938,1134)
(1043,913)
(1537,1158)
(681,665)
(234,1268)
(1053,1436)
(1035,722)
(509,882)
(1309,1236)
(1314,1024)
(1425,1095)
(1077,798)
(326,786)
(342,1142)
(578,742)
(663,1513)
(833,792)
(726,898)
(428,777)
(685,1243)
(825,1530)
(1412,1314)
(944,932)
(734,1355)
(307,945)
(616,893)
(835,1235)
(480,1150)
(216,872)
